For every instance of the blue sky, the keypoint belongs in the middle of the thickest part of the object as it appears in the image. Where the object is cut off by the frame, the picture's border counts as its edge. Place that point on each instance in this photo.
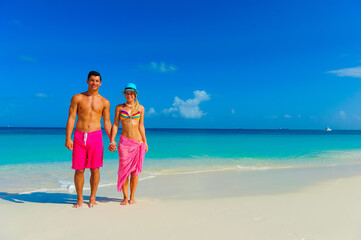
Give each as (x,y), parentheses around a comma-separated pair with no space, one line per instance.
(197,64)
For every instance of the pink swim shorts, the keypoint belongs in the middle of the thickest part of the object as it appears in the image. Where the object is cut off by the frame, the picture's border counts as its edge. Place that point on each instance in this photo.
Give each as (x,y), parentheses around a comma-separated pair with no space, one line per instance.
(87,150)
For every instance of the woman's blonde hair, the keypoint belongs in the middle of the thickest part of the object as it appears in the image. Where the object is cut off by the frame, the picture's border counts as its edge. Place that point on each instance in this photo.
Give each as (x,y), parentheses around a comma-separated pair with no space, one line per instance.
(136,107)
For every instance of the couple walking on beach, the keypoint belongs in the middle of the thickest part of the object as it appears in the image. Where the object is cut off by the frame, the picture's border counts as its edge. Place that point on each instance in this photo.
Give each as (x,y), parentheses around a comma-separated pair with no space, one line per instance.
(87,146)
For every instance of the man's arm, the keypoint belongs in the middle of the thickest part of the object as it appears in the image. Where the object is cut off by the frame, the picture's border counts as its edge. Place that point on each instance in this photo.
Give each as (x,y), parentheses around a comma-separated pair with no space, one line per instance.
(106,118)
(71,121)
(142,128)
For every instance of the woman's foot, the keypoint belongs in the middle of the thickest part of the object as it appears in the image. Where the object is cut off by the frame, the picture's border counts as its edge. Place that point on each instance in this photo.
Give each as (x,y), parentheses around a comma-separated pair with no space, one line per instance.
(131,201)
(124,202)
(78,204)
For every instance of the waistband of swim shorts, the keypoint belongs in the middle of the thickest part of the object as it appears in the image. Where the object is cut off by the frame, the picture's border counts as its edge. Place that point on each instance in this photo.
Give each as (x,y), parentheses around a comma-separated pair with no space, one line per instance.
(96,132)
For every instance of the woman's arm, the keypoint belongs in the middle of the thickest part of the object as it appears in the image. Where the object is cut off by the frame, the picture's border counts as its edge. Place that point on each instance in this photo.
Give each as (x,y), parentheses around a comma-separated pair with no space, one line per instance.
(114,131)
(142,128)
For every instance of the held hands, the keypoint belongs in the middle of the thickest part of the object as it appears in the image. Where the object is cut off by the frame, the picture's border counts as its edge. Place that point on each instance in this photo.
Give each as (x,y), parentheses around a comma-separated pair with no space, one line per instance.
(69,144)
(112,146)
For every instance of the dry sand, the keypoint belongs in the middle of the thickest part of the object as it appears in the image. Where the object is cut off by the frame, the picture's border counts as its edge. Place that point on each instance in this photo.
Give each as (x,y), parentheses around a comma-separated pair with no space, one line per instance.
(295,204)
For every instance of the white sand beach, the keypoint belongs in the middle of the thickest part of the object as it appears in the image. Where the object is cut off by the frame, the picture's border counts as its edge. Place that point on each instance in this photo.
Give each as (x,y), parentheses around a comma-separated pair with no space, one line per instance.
(294,204)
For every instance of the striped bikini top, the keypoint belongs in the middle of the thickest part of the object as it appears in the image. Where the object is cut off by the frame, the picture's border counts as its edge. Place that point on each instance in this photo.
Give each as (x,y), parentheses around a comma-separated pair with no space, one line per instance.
(125,115)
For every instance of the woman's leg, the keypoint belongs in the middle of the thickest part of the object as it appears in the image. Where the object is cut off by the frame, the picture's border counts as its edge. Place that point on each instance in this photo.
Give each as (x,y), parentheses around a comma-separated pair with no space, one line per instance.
(125,192)
(133,187)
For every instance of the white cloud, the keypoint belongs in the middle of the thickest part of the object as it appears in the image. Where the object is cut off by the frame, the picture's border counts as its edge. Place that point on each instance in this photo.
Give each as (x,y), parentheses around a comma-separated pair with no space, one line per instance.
(342,114)
(348,72)
(27,58)
(190,107)
(170,110)
(151,112)
(160,67)
(41,95)
(233,111)
(287,116)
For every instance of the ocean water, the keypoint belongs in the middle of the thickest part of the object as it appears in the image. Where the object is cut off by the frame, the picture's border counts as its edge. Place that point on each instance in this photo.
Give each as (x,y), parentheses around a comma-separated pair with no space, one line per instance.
(35,159)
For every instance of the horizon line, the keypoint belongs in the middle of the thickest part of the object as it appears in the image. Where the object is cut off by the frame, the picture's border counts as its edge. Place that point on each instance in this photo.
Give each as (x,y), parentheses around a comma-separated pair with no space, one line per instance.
(273,129)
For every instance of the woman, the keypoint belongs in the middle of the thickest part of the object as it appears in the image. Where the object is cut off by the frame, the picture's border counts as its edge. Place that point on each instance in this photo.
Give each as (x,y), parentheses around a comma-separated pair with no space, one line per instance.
(132,142)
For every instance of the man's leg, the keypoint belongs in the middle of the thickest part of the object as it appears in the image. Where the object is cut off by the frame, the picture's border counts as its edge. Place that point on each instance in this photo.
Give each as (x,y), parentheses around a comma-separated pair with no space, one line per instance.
(125,192)
(94,182)
(133,187)
(79,183)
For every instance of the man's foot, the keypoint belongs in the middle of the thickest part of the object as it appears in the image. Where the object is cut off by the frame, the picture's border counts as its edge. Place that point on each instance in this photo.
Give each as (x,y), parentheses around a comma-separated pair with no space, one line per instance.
(79,204)
(124,202)
(92,202)
(131,201)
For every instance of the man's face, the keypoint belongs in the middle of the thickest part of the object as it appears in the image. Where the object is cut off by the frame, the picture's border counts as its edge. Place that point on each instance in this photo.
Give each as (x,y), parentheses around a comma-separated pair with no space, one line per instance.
(94,82)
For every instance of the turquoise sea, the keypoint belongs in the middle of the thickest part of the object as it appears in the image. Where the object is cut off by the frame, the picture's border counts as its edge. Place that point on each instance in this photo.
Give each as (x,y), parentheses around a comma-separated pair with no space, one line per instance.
(35,159)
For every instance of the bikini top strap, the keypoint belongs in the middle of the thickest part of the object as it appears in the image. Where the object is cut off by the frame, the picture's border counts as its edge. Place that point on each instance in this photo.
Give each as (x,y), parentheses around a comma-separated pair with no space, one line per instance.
(121,107)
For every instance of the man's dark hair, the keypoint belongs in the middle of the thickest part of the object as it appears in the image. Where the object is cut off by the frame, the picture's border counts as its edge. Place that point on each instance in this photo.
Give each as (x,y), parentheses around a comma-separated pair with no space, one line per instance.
(94,73)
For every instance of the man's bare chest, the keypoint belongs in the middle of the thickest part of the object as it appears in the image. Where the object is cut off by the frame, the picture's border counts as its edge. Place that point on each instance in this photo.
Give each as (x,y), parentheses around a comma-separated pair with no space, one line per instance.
(91,106)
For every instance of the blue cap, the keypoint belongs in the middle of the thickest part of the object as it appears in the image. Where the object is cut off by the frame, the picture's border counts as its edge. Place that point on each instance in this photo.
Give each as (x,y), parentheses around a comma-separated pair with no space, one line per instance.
(130,87)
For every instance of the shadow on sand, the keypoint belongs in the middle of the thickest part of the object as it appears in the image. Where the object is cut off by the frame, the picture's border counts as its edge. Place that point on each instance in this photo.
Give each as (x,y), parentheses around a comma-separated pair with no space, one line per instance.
(45,197)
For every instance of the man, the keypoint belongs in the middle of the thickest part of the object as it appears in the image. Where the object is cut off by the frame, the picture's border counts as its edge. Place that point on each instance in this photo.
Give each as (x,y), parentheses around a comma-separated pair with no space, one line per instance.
(88,145)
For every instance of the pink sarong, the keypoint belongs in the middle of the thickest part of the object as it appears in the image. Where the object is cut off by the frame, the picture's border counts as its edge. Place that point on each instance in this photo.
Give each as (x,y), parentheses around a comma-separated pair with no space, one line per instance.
(131,156)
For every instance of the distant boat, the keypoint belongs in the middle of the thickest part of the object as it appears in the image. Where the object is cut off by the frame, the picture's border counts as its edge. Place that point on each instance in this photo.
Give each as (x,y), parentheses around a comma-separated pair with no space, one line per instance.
(328,129)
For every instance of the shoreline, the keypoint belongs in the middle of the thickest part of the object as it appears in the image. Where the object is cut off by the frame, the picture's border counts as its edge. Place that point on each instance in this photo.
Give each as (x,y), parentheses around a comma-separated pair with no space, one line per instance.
(231,173)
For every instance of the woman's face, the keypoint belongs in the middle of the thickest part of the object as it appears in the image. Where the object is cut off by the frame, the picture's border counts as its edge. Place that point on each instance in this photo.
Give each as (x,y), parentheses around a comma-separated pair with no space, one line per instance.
(129,96)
